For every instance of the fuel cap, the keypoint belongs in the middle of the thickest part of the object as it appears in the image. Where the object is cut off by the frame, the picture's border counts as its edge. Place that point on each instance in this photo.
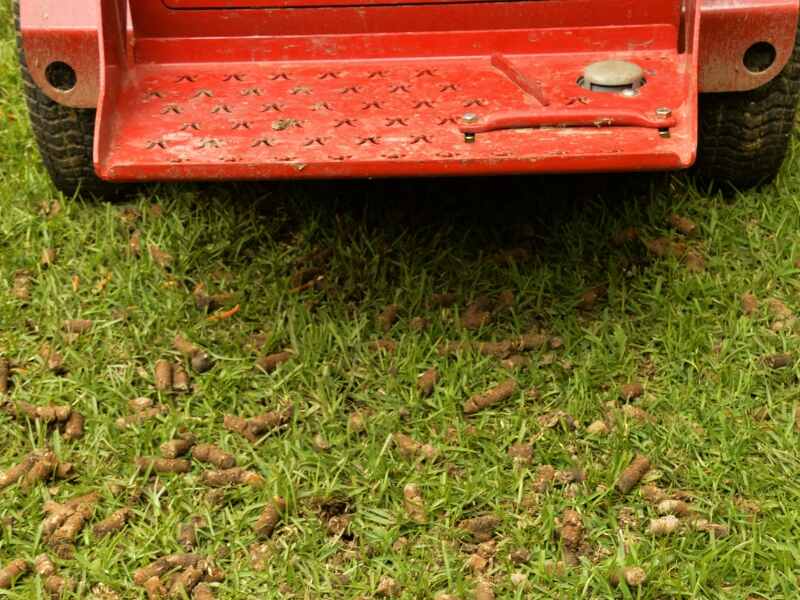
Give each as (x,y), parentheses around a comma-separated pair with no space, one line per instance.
(612,76)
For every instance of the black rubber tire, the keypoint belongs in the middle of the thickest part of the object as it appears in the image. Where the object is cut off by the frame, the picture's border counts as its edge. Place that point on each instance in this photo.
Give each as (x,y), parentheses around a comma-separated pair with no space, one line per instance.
(744,136)
(64,135)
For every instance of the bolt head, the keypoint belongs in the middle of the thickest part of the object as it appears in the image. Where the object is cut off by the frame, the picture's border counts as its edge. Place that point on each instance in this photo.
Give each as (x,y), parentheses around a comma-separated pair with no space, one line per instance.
(663,112)
(469,118)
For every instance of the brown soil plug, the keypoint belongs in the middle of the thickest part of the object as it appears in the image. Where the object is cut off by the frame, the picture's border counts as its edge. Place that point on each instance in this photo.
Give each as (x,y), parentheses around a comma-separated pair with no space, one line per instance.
(187,532)
(633,473)
(270,517)
(749,303)
(387,588)
(633,576)
(234,476)
(54,585)
(163,465)
(481,528)
(269,363)
(669,506)
(154,588)
(73,429)
(5,370)
(180,378)
(199,358)
(414,503)
(140,404)
(685,226)
(427,381)
(56,515)
(15,473)
(112,523)
(63,538)
(388,317)
(477,314)
(664,525)
(209,453)
(631,391)
(255,427)
(22,285)
(77,325)
(47,414)
(12,571)
(185,582)
(166,563)
(163,375)
(202,592)
(778,361)
(571,533)
(177,447)
(498,393)
(410,448)
(484,591)
(45,467)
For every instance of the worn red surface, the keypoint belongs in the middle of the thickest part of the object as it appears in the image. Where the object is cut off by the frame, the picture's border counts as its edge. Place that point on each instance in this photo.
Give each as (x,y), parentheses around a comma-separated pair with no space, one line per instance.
(404,118)
(206,89)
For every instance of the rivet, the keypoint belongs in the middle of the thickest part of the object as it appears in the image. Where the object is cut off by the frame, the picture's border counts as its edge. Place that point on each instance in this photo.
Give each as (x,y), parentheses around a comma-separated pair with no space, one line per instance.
(469,117)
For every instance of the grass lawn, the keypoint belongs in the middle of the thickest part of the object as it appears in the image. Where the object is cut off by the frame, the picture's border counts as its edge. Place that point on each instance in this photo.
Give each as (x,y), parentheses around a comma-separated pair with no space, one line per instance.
(716,416)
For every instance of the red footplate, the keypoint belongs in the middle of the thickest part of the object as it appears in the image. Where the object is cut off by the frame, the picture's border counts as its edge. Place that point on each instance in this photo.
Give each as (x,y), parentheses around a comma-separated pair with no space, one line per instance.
(406,117)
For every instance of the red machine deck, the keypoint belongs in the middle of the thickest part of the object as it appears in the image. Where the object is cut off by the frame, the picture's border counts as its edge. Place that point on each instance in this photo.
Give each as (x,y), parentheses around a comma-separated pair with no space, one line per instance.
(398,116)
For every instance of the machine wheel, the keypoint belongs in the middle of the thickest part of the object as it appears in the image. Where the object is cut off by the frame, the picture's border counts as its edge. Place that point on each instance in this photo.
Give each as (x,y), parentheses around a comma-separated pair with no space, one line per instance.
(64,135)
(744,136)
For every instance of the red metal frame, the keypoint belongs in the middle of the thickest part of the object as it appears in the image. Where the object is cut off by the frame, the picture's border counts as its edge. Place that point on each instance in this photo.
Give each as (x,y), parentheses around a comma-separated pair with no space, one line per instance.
(195,89)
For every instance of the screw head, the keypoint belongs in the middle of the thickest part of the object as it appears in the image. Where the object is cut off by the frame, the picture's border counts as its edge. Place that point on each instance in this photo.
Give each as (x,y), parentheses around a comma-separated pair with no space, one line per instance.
(664,112)
(469,117)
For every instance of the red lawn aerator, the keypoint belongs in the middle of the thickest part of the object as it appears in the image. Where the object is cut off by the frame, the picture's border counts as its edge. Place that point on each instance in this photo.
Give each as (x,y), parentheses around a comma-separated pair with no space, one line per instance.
(141,90)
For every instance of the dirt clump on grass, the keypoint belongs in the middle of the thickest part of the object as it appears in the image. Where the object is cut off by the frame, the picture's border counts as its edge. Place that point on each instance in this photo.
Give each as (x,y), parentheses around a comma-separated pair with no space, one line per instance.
(631,391)
(388,317)
(209,453)
(427,381)
(480,528)
(163,465)
(571,534)
(55,585)
(18,471)
(414,503)
(77,326)
(498,393)
(113,523)
(749,303)
(683,225)
(633,576)
(270,517)
(254,427)
(187,532)
(13,571)
(5,375)
(408,447)
(778,361)
(633,474)
(46,414)
(198,358)
(177,447)
(271,362)
(232,476)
